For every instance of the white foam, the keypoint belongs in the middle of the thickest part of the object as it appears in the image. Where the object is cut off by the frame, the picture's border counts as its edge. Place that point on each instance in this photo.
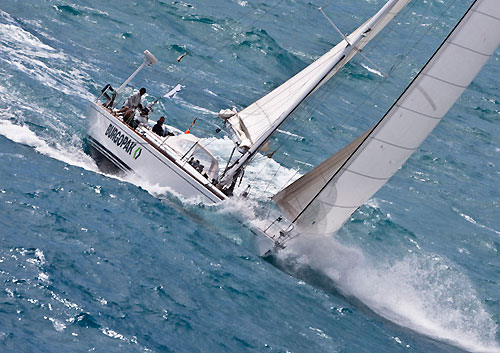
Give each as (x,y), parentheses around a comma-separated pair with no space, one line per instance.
(373,71)
(195,108)
(243,207)
(210,92)
(157,190)
(265,181)
(58,324)
(421,291)
(298,137)
(28,54)
(22,134)
(473,221)
(266,175)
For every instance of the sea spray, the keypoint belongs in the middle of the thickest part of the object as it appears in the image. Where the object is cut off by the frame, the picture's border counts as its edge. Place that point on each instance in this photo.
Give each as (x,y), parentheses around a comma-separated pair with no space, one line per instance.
(264,175)
(140,266)
(421,291)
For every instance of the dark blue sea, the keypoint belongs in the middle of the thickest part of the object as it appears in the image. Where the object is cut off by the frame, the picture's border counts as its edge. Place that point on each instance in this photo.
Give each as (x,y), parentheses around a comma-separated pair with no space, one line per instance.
(91,262)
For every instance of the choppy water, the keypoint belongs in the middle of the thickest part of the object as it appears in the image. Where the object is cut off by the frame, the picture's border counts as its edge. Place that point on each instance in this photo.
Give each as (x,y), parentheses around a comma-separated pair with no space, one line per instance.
(90,262)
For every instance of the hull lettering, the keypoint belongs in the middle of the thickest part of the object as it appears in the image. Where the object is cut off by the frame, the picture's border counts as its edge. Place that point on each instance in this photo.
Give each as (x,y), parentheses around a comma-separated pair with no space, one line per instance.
(123,141)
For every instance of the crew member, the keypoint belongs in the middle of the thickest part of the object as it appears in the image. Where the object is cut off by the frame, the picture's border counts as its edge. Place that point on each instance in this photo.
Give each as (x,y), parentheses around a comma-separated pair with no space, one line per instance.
(158,128)
(135,99)
(131,104)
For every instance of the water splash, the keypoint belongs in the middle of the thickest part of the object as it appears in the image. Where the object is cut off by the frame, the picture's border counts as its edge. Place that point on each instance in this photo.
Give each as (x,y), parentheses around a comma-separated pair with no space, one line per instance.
(423,292)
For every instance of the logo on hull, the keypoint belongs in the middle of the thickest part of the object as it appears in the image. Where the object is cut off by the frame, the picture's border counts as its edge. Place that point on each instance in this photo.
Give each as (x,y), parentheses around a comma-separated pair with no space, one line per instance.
(123,141)
(137,152)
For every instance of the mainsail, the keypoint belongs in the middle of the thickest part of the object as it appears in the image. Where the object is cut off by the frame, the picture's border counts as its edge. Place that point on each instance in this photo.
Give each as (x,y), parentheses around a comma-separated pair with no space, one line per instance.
(254,124)
(322,200)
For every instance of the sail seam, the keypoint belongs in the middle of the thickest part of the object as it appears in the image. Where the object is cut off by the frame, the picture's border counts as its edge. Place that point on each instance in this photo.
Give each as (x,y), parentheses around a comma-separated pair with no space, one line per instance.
(419,113)
(393,144)
(469,49)
(262,110)
(366,176)
(444,81)
(363,156)
(330,63)
(482,13)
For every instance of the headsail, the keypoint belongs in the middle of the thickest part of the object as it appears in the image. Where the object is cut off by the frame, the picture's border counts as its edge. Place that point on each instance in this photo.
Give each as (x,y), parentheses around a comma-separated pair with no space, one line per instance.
(254,124)
(322,200)
(295,198)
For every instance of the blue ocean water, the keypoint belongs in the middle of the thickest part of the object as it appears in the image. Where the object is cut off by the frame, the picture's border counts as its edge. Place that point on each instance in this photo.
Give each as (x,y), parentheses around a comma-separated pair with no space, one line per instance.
(92,262)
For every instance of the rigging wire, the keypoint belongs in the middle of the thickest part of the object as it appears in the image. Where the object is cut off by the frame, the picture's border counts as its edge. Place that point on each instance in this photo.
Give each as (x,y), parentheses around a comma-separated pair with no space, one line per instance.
(327,93)
(334,25)
(322,98)
(288,181)
(258,19)
(359,51)
(218,49)
(396,64)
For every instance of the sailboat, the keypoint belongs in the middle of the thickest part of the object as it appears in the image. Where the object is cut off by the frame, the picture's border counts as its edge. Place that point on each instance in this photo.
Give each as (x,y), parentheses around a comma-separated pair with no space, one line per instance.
(322,200)
(174,161)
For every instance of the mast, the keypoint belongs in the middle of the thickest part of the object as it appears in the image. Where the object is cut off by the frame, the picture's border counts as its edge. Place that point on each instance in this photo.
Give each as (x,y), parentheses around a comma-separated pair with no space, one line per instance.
(323,199)
(261,119)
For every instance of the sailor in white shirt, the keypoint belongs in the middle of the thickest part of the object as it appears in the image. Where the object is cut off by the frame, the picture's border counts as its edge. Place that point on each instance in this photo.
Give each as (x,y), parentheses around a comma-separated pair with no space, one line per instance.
(128,109)
(134,100)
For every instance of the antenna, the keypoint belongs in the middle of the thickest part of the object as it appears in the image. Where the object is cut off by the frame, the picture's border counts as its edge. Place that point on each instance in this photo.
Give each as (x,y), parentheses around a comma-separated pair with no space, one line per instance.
(149,59)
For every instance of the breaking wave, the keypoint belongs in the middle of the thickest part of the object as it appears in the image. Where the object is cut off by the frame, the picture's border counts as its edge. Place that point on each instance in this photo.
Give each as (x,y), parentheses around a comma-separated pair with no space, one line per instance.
(423,292)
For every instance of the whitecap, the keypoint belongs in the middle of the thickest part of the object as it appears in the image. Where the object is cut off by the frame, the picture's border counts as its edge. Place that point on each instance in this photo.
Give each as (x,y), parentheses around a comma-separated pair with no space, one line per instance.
(28,54)
(373,71)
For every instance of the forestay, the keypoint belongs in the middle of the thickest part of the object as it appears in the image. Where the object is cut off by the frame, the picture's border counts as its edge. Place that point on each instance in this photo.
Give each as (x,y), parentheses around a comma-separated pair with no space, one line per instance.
(322,200)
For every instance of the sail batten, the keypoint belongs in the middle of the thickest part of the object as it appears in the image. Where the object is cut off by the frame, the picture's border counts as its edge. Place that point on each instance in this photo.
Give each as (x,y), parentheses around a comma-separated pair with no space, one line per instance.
(386,147)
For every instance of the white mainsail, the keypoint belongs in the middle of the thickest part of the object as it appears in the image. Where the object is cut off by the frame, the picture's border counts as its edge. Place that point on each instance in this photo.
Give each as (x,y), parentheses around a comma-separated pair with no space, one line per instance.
(254,124)
(322,200)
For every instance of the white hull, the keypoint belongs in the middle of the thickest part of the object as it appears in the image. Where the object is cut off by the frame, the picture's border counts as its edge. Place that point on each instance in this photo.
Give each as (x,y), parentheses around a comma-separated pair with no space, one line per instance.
(117,147)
